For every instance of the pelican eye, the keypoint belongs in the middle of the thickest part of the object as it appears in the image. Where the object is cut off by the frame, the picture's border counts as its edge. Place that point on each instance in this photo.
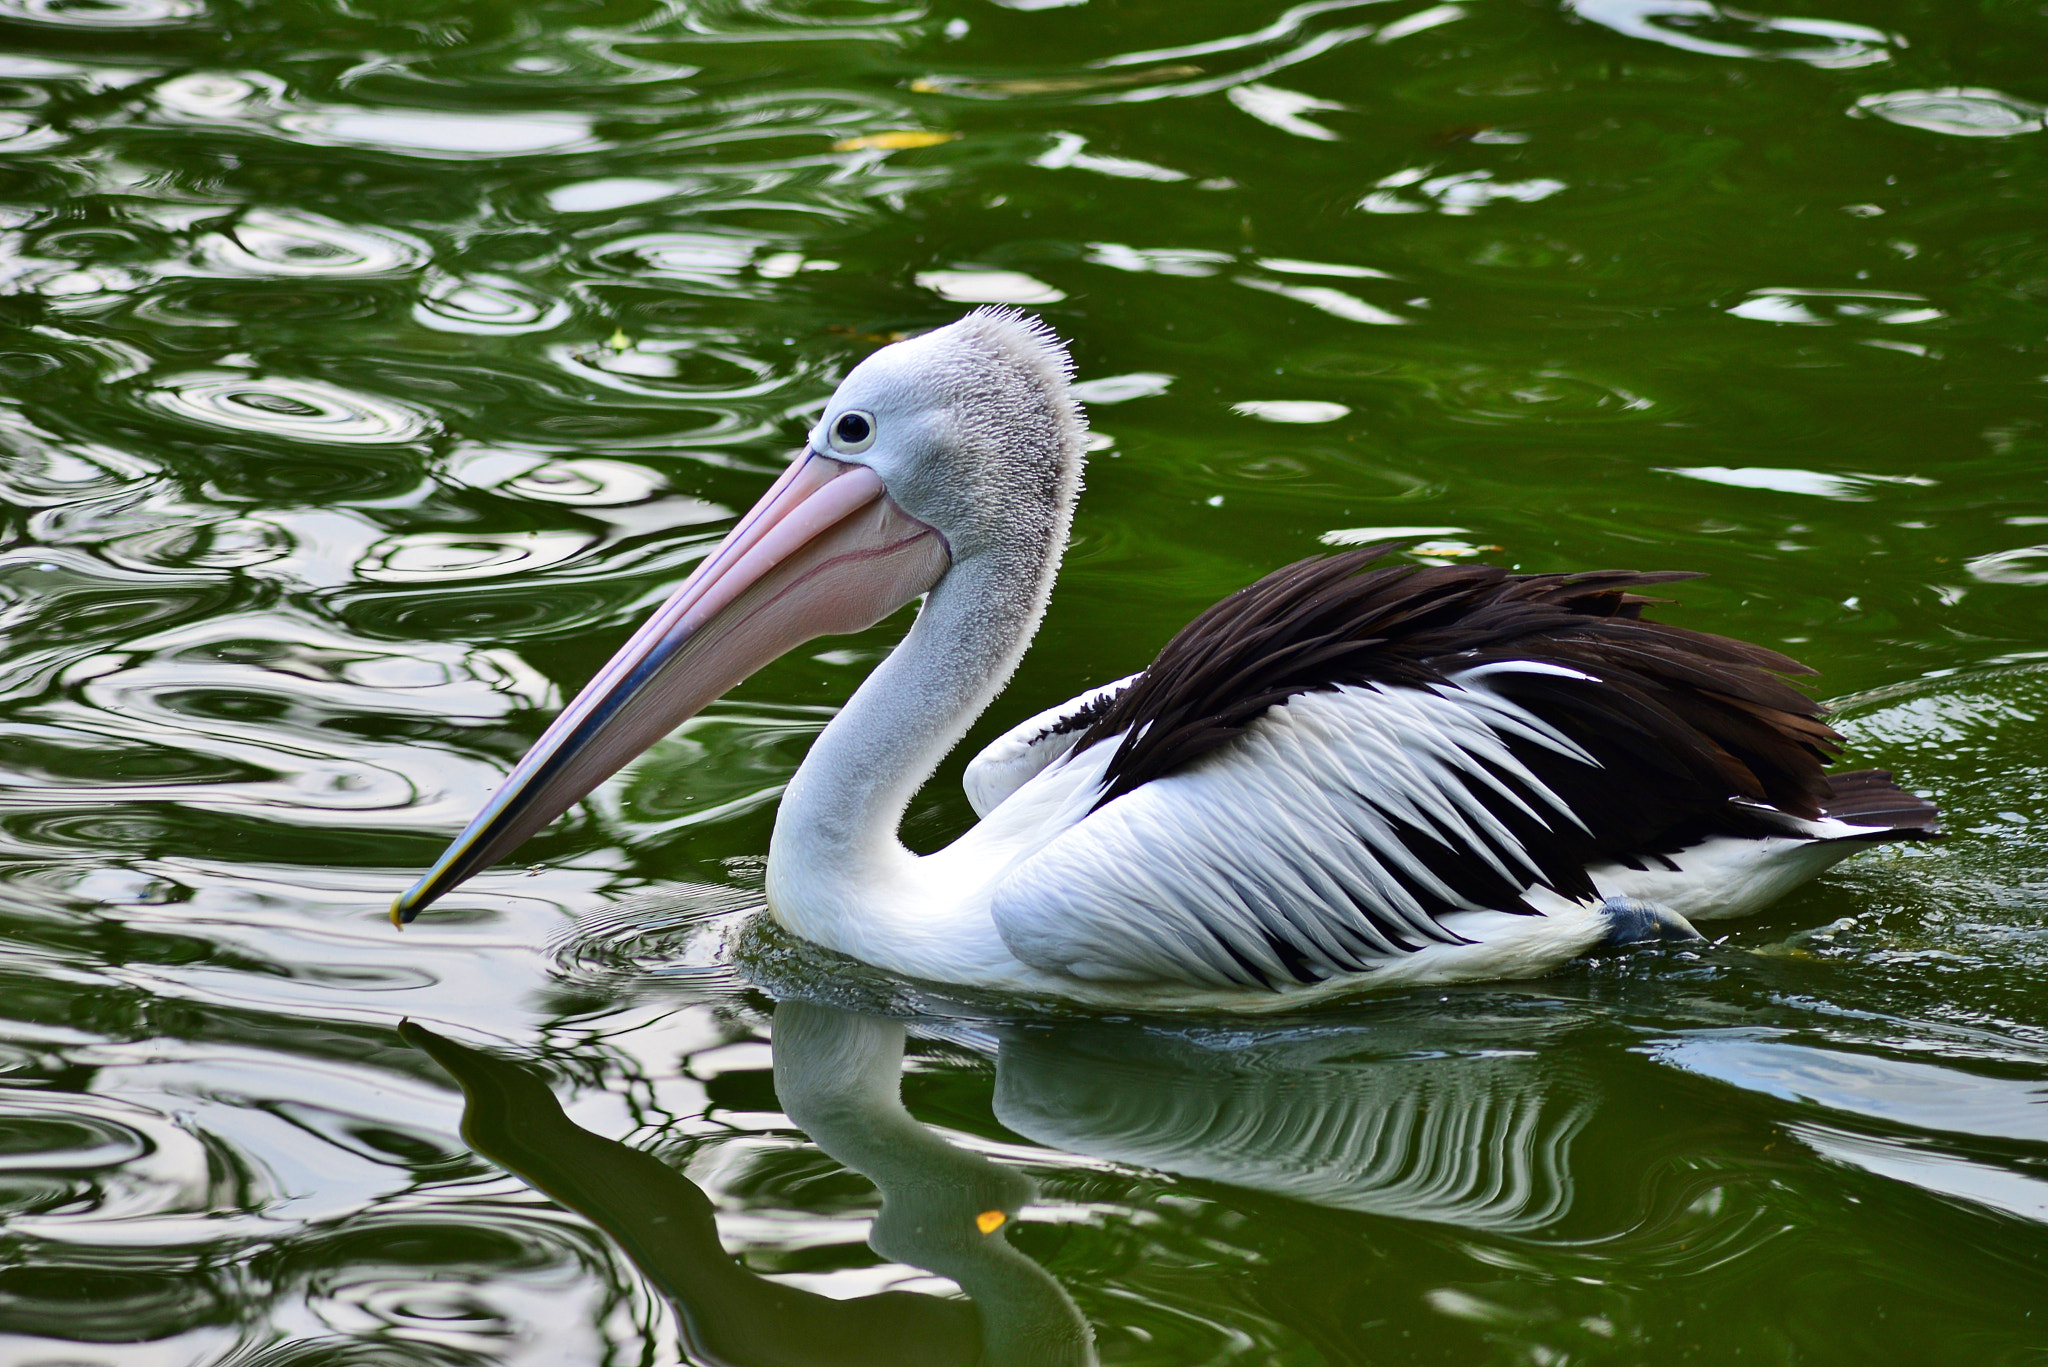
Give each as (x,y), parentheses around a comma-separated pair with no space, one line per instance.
(854,432)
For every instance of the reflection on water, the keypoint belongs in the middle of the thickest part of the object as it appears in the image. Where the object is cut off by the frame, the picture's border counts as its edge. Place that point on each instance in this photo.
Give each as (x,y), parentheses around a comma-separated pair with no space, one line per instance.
(667,1226)
(1724,31)
(1475,1141)
(1354,1118)
(1417,1119)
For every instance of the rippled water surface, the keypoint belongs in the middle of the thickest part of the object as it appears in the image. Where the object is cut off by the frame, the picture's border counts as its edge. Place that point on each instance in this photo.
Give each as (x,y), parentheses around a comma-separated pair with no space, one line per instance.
(368,369)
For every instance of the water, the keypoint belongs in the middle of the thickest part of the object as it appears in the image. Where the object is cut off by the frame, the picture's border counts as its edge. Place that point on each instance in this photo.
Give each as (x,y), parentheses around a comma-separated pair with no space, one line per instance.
(369,369)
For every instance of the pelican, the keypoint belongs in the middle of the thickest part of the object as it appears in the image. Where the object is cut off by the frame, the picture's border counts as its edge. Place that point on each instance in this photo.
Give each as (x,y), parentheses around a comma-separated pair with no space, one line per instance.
(1341,777)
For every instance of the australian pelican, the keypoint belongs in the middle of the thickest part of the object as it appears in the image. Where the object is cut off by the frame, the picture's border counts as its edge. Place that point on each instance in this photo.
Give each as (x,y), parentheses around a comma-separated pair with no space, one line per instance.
(1340,776)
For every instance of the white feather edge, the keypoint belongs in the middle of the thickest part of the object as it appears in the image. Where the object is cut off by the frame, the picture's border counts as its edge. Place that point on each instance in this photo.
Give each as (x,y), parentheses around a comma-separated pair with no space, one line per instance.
(1017,756)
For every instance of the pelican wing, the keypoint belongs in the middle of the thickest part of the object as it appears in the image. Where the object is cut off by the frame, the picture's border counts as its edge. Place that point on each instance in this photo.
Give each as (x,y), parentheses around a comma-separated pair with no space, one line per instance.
(1341,830)
(1706,711)
(1330,768)
(1019,754)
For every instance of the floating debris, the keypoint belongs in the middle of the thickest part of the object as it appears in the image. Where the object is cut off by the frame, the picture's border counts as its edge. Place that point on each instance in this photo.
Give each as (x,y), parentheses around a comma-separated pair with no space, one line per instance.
(1049,85)
(876,338)
(896,140)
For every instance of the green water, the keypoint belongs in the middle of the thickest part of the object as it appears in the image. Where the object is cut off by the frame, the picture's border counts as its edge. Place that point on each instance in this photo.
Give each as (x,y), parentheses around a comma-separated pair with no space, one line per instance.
(367,370)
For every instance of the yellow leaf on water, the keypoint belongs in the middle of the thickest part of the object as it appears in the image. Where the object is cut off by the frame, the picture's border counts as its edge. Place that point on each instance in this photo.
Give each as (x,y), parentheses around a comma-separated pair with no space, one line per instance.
(894,141)
(619,341)
(989,1221)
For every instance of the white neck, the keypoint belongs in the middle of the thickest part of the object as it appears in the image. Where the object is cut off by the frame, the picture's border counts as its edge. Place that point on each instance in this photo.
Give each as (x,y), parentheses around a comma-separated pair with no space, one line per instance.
(838,873)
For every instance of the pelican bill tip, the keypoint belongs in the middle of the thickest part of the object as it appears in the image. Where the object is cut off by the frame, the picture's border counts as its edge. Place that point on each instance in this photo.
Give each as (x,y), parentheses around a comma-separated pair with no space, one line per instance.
(406,907)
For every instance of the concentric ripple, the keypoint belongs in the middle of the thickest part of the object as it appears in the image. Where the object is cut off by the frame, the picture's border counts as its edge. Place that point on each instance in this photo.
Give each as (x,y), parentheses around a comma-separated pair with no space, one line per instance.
(455,555)
(487,304)
(212,96)
(589,483)
(97,1158)
(302,410)
(1965,112)
(270,243)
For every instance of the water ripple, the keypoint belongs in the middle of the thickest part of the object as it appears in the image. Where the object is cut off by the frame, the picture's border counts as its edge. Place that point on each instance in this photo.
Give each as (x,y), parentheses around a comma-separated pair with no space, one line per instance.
(210,96)
(42,470)
(303,410)
(258,102)
(1820,307)
(95,1159)
(25,133)
(676,369)
(692,258)
(1458,194)
(585,483)
(1700,26)
(435,133)
(2026,565)
(266,242)
(103,14)
(1289,40)
(487,304)
(674,936)
(1963,111)
(257,714)
(439,556)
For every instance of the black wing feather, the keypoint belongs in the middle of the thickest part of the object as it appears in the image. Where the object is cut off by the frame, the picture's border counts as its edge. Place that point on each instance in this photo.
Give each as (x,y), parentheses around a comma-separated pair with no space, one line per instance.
(1691,732)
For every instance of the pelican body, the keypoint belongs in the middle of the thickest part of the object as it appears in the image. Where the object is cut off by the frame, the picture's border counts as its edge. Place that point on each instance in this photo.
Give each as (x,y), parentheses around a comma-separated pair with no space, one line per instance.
(1339,777)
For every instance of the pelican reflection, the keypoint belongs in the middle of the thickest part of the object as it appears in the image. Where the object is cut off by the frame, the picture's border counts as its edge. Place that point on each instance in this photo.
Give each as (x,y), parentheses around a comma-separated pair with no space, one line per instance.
(1353,1117)
(837,1074)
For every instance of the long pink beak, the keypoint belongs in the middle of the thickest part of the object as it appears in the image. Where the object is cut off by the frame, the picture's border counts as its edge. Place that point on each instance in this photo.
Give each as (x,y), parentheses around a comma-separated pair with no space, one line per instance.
(825,551)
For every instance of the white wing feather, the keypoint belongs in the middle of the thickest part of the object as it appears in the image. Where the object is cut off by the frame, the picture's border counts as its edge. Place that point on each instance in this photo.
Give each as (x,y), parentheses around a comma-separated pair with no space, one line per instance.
(1018,755)
(1278,857)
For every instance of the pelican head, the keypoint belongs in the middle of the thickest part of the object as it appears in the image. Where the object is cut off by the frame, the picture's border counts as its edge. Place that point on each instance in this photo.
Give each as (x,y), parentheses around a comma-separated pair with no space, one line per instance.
(971,429)
(959,450)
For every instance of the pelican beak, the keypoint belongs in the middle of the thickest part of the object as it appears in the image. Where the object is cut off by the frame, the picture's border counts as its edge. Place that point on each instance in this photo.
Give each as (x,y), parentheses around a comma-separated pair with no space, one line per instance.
(825,551)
